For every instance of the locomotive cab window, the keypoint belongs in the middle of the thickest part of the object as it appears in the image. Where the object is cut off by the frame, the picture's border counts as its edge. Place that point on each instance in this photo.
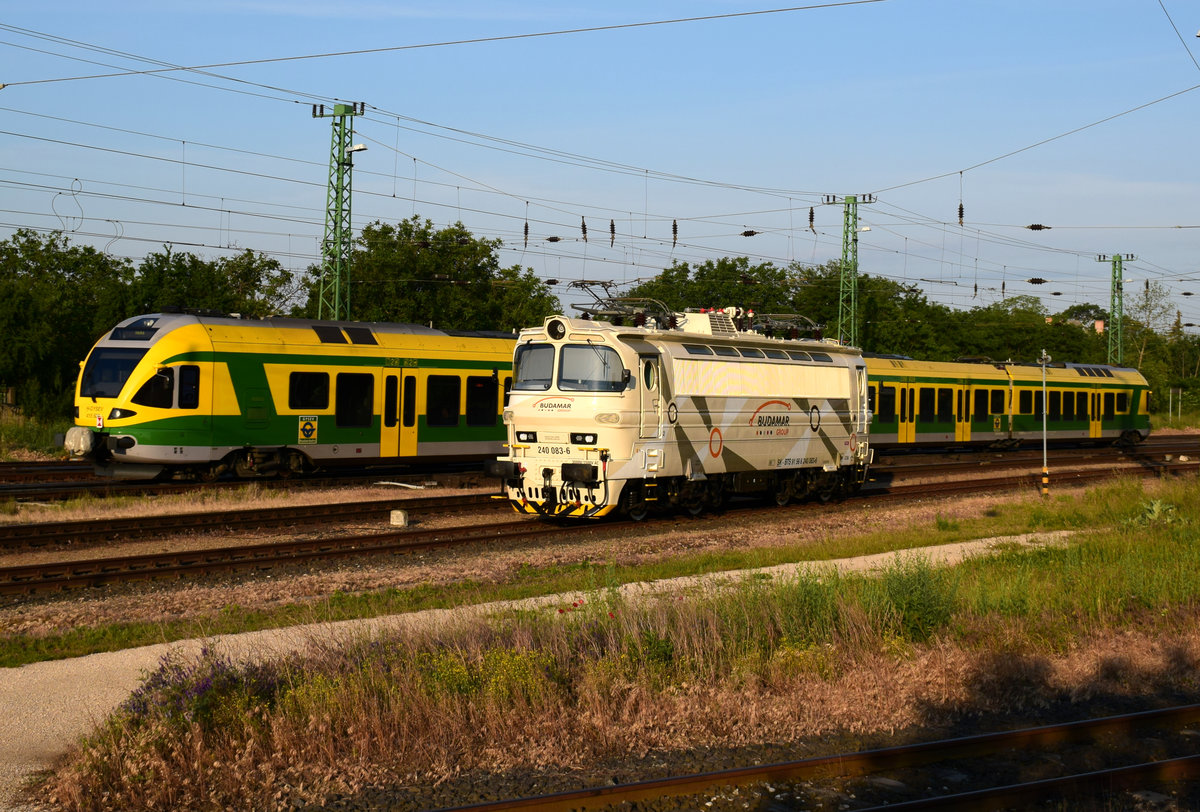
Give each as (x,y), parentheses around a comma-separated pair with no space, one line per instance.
(308,391)
(441,400)
(355,400)
(533,367)
(591,368)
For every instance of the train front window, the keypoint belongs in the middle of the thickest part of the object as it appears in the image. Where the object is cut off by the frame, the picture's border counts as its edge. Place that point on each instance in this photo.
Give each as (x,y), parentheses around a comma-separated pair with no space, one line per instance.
(106,371)
(590,368)
(533,367)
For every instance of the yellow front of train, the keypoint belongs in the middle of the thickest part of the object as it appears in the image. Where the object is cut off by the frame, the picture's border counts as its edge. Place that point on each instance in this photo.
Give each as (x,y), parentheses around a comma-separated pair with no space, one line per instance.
(573,414)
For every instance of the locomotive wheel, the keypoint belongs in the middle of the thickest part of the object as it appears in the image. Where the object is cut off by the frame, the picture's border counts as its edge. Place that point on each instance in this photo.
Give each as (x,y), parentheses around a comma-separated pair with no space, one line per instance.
(785,489)
(634,504)
(694,501)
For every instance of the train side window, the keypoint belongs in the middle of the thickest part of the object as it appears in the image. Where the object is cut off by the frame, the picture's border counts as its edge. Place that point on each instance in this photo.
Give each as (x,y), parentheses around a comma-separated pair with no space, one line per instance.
(1122,402)
(925,404)
(1081,404)
(779,355)
(390,396)
(441,400)
(355,400)
(799,355)
(697,349)
(189,386)
(308,390)
(1025,402)
(408,404)
(728,352)
(1055,406)
(886,410)
(481,401)
(945,405)
(998,402)
(1068,405)
(1110,401)
(981,404)
(822,356)
(507,389)
(159,391)
(751,352)
(1038,407)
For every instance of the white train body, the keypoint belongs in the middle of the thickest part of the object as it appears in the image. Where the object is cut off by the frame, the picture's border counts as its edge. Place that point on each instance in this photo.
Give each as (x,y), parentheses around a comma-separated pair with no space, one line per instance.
(603,417)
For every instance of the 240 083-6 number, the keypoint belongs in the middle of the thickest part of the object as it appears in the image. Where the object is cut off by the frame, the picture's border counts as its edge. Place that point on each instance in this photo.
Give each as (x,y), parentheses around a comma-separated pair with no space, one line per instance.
(553,450)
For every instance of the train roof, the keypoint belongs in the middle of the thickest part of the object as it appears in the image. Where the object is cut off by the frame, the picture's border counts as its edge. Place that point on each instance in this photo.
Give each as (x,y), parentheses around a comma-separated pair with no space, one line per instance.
(145,327)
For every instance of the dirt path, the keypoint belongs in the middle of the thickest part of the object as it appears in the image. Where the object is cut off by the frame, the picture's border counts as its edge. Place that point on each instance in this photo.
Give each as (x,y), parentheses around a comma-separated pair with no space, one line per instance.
(45,707)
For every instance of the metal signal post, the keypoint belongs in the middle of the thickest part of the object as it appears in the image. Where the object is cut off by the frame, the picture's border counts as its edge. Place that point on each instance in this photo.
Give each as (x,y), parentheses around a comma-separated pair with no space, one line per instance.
(847,325)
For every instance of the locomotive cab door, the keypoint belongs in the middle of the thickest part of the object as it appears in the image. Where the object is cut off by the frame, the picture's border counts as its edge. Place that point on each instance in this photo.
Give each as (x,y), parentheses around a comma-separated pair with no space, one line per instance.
(649,396)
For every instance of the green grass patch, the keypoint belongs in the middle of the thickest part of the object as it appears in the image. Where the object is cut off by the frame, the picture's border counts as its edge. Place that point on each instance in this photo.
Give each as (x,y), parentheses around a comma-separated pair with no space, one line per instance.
(1115,504)
(22,437)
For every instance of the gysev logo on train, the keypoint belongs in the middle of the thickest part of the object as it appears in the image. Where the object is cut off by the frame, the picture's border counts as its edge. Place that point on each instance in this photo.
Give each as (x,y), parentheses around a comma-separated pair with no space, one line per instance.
(308,430)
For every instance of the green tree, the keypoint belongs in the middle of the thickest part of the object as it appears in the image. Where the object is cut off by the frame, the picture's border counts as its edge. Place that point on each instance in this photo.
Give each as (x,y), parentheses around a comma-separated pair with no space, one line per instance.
(55,301)
(250,284)
(412,272)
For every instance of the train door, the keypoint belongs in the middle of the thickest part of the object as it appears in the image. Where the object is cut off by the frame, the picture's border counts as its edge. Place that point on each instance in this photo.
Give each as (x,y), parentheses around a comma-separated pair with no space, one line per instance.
(962,414)
(1094,413)
(407,435)
(649,394)
(389,432)
(906,431)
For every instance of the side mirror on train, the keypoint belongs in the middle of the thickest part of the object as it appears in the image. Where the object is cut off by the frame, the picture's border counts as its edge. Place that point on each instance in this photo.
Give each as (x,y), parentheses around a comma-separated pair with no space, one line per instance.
(624,378)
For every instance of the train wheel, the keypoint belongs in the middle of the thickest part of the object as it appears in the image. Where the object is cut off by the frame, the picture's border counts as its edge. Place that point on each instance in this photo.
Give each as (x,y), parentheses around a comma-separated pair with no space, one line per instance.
(785,490)
(634,504)
(694,501)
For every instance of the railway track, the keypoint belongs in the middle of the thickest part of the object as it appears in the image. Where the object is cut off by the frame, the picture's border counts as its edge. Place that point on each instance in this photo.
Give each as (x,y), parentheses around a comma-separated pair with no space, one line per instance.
(80,573)
(989,746)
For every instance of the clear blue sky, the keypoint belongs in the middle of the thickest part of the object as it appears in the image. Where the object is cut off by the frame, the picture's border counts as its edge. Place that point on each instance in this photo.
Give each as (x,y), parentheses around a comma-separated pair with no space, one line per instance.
(721,125)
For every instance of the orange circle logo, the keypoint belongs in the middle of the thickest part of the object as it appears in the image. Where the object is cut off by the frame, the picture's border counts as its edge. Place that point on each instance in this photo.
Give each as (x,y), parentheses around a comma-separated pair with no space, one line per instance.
(720,441)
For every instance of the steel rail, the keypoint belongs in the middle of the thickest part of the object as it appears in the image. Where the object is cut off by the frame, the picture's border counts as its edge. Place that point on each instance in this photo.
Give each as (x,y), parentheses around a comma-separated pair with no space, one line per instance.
(875,761)
(80,573)
(23,536)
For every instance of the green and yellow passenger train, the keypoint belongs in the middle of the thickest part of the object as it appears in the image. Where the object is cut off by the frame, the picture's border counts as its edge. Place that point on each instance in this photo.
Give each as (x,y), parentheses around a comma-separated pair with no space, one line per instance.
(999,404)
(201,395)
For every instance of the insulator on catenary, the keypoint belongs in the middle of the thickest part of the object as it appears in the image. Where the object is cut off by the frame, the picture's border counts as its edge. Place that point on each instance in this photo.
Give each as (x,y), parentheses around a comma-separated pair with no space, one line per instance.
(583,227)
(811,220)
(960,213)
(526,233)
(612,232)
(553,239)
(1037,227)
(674,232)
(639,320)
(749,232)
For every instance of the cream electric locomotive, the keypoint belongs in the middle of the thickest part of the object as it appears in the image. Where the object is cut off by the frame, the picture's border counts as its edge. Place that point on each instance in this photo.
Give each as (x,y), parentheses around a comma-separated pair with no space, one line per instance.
(679,413)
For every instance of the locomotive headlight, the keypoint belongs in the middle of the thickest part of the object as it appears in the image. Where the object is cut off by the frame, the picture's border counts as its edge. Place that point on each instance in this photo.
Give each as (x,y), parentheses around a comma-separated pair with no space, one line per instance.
(117,414)
(507,417)
(583,439)
(526,436)
(608,418)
